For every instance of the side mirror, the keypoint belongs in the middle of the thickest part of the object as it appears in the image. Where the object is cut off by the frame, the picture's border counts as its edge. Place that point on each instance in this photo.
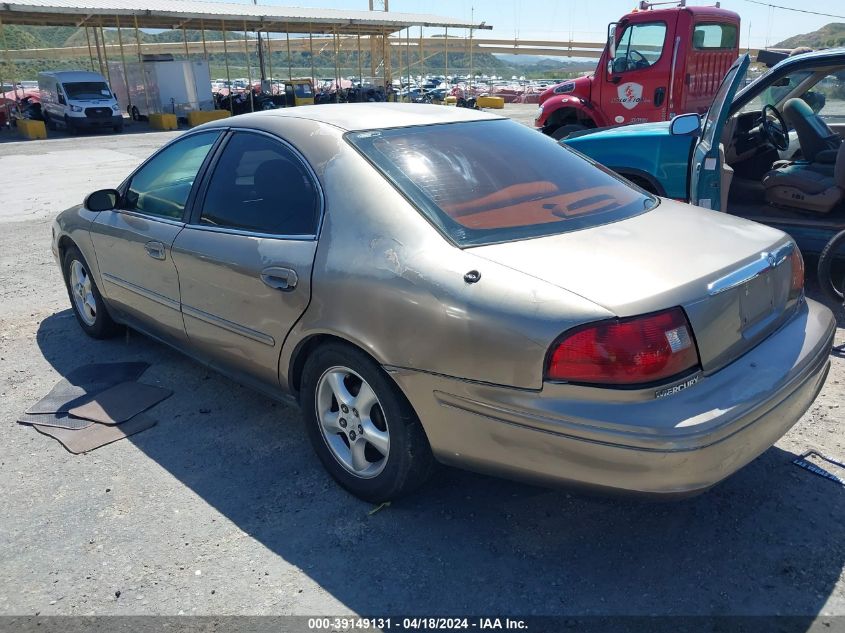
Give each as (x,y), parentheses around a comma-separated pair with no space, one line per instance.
(685,124)
(102,200)
(62,99)
(611,40)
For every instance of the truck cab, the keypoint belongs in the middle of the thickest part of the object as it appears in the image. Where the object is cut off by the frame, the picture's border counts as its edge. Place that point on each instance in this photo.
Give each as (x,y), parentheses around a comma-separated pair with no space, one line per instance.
(299,92)
(658,62)
(78,100)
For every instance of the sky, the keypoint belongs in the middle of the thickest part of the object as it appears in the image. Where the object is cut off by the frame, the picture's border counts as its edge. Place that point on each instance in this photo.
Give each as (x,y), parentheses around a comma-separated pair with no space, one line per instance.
(587,20)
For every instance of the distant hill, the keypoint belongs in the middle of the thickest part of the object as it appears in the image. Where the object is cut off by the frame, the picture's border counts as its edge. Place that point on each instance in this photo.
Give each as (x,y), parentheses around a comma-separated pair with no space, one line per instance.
(829,36)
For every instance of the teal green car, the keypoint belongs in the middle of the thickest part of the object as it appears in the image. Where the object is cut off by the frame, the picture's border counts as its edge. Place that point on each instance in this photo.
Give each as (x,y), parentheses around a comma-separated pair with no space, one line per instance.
(771,152)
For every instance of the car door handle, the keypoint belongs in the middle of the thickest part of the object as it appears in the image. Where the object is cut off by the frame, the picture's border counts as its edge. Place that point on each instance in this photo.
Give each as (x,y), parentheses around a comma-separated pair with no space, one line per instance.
(279,278)
(154,250)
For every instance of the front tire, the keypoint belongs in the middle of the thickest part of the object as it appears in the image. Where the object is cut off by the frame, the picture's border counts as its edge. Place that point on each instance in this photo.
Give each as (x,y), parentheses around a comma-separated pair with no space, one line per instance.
(85,299)
(361,427)
(565,130)
(832,285)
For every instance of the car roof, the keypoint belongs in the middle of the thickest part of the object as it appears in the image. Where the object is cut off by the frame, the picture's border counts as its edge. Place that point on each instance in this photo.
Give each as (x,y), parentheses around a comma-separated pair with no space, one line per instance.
(366,116)
(83,75)
(828,54)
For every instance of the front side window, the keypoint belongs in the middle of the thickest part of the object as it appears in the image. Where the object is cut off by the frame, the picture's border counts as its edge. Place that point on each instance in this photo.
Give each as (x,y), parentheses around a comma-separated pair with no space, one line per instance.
(87,90)
(482,182)
(639,47)
(303,90)
(260,185)
(714,36)
(161,187)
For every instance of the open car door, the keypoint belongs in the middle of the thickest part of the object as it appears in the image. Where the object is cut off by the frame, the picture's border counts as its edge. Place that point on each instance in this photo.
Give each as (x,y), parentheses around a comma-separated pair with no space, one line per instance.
(706,165)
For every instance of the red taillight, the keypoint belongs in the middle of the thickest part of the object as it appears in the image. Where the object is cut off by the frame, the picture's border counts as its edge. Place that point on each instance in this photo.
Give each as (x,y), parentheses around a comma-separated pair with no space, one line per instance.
(797,263)
(630,351)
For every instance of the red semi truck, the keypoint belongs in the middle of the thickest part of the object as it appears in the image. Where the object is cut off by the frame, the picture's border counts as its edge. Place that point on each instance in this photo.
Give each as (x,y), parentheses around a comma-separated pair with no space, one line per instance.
(658,62)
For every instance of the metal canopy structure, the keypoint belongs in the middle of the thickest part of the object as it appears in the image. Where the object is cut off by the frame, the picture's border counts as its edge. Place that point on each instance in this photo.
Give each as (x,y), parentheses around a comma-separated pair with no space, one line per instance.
(195,14)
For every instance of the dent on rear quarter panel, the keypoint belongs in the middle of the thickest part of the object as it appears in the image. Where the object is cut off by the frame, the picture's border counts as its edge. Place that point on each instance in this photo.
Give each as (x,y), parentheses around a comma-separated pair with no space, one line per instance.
(387,281)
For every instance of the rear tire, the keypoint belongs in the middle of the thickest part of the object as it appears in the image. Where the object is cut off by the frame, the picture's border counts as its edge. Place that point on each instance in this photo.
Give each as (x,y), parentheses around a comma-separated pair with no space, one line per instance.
(394,457)
(135,114)
(834,288)
(565,130)
(85,299)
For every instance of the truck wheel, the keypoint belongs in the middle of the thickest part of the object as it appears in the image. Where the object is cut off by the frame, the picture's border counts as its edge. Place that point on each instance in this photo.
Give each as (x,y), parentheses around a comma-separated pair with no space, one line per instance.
(136,116)
(71,127)
(51,125)
(565,130)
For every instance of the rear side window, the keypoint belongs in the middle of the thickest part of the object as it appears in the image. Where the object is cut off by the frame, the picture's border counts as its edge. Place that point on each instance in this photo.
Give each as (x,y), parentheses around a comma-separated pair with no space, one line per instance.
(714,36)
(492,181)
(260,185)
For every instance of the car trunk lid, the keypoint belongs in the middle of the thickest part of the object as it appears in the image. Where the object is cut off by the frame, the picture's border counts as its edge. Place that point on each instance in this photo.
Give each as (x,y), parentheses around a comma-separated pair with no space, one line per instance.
(731,276)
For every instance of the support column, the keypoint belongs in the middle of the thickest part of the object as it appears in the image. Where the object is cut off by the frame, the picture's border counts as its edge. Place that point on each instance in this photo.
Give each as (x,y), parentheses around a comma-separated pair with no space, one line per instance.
(105,56)
(360,69)
(228,75)
(336,68)
(123,63)
(204,49)
(99,54)
(446,52)
(287,40)
(421,54)
(387,55)
(90,51)
(248,70)
(185,42)
(143,70)
(311,48)
(7,66)
(270,61)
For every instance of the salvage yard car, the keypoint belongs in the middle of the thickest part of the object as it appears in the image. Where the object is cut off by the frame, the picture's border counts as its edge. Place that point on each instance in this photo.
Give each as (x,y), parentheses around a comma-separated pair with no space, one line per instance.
(772,152)
(522,312)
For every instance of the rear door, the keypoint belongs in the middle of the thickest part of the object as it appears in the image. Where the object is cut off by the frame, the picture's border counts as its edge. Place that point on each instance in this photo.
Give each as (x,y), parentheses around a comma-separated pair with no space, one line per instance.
(132,243)
(706,165)
(245,258)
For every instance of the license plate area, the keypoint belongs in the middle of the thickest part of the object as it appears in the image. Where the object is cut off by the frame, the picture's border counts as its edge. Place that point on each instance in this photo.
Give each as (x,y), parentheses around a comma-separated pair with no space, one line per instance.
(756,300)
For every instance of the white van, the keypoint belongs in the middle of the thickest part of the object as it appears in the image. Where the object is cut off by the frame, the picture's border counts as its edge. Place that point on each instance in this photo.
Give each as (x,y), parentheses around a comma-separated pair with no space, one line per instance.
(78,100)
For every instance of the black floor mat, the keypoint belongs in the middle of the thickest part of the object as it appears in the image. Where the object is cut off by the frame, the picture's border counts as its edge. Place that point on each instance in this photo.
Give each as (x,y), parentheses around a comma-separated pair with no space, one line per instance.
(96,435)
(58,420)
(79,385)
(120,403)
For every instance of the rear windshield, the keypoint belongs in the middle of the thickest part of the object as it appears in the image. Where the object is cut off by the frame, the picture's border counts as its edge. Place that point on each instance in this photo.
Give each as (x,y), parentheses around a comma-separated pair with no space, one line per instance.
(482,182)
(87,90)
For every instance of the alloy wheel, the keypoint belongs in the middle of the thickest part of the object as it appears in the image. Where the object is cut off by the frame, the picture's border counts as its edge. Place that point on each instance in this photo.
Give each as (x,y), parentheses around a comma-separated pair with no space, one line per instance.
(83,297)
(352,422)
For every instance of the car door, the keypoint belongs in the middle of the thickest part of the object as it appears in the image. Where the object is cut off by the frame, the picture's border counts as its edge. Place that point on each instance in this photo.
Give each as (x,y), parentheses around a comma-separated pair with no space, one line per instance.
(245,258)
(132,243)
(706,165)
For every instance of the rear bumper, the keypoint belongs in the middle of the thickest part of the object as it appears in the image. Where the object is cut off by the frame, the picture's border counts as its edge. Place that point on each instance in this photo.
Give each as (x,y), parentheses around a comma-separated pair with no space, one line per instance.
(630,441)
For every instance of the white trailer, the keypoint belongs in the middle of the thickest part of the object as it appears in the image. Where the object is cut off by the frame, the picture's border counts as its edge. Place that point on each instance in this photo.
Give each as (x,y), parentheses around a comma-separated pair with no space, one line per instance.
(162,86)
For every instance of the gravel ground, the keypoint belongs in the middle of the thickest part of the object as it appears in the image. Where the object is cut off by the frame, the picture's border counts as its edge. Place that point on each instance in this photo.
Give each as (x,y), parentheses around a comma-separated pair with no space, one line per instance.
(223,509)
